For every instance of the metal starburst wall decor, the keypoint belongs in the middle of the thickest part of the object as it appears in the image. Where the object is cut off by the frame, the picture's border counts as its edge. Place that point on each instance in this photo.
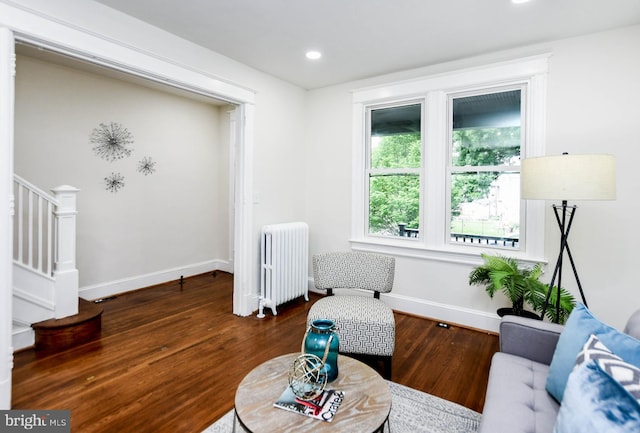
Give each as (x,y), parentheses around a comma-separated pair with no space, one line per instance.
(146,166)
(114,182)
(111,141)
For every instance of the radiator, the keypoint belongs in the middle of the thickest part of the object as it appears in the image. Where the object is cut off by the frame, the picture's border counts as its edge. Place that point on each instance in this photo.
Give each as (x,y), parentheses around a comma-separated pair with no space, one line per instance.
(284,265)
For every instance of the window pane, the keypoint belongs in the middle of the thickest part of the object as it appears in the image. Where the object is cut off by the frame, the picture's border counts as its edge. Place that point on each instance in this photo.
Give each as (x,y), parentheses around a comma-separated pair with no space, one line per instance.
(394,176)
(396,151)
(395,137)
(485,208)
(393,200)
(486,129)
(485,203)
(486,146)
(497,110)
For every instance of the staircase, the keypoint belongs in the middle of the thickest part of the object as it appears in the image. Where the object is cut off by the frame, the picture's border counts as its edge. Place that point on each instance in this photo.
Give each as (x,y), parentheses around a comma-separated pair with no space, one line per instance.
(45,278)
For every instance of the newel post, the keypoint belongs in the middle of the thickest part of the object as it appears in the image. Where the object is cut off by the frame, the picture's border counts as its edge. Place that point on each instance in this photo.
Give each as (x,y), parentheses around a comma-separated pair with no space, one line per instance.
(64,271)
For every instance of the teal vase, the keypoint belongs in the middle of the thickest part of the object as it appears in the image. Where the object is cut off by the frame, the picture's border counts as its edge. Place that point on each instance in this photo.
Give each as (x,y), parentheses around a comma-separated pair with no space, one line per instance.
(321,340)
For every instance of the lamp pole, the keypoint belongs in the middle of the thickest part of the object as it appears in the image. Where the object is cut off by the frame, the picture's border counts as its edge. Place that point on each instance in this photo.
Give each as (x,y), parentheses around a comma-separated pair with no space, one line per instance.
(561,213)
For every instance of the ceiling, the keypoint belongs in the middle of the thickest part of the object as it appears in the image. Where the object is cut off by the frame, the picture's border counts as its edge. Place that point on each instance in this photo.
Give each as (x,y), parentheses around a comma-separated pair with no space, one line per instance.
(365,38)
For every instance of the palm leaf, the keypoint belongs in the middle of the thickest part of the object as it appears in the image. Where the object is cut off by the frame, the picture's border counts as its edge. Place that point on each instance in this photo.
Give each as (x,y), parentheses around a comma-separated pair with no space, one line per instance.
(567,302)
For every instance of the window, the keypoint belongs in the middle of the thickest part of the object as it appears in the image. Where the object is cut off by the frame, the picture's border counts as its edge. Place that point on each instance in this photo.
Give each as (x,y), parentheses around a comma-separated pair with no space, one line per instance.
(484,168)
(395,159)
(437,163)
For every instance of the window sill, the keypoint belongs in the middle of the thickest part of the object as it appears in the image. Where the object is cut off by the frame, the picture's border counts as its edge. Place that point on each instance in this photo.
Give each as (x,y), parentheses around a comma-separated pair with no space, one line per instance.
(416,249)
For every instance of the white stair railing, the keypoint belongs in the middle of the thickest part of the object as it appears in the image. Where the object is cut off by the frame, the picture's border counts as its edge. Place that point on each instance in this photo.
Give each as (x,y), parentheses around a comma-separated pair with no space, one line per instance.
(34,228)
(45,239)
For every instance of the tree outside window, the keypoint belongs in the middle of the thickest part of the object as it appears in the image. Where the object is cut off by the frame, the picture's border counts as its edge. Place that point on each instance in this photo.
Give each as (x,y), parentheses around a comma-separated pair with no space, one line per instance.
(394,169)
(485,168)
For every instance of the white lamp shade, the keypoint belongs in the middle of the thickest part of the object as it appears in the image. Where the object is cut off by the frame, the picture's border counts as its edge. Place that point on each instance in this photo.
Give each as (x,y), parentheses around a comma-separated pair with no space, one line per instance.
(569,177)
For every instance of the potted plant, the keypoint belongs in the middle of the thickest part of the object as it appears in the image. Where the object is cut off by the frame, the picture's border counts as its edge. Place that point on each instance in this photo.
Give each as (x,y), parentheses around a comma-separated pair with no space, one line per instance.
(521,286)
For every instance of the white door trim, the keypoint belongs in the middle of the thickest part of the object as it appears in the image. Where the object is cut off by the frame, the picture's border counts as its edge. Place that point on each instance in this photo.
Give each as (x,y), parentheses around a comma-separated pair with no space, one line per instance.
(7,78)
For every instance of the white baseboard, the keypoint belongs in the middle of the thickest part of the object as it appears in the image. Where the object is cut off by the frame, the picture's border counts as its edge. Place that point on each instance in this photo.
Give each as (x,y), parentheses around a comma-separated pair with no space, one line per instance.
(103,290)
(442,312)
(22,337)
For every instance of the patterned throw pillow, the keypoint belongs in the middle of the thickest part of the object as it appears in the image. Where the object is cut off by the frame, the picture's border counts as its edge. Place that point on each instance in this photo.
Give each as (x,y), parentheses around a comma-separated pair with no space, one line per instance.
(596,403)
(626,374)
(594,349)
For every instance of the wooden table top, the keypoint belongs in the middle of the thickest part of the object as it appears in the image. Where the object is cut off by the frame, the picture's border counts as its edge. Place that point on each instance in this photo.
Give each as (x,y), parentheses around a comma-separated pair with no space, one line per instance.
(365,408)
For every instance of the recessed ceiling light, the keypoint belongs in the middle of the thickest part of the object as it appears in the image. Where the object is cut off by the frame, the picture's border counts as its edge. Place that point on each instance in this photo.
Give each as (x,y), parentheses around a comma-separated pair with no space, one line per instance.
(519,1)
(313,55)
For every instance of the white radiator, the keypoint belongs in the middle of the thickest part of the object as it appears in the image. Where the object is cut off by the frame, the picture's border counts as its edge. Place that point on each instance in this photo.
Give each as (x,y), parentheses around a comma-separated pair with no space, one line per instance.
(284,264)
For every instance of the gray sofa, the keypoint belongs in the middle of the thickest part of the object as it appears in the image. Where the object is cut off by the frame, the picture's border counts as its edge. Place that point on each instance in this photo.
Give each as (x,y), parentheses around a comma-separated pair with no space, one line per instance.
(516,400)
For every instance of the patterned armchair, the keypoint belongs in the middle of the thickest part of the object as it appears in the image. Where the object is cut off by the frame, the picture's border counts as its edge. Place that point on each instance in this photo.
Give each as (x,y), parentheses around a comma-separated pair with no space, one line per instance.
(366,325)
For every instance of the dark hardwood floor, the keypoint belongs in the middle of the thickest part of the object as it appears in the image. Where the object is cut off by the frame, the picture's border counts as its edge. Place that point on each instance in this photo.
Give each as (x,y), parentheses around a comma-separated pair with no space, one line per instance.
(170,358)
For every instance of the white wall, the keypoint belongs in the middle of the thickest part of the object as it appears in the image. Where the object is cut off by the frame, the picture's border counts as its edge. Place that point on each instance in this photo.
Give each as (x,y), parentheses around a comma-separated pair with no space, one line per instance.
(593,93)
(176,217)
(593,89)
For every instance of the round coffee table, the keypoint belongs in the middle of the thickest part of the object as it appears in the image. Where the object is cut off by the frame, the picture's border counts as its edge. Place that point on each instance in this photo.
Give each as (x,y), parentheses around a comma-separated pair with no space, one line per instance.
(365,407)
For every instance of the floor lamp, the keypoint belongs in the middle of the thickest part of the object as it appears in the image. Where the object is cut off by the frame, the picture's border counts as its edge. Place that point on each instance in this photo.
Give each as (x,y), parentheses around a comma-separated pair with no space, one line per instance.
(567,177)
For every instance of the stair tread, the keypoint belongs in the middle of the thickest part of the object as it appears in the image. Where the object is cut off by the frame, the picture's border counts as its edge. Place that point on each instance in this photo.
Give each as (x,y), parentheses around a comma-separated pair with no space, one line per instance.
(86,311)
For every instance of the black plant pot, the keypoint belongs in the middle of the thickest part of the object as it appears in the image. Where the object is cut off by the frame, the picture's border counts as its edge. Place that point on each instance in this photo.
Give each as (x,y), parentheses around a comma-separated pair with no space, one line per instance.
(507,311)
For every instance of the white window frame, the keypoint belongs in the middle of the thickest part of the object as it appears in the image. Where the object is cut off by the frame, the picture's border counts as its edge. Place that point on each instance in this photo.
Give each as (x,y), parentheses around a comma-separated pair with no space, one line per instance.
(434,91)
(451,169)
(367,163)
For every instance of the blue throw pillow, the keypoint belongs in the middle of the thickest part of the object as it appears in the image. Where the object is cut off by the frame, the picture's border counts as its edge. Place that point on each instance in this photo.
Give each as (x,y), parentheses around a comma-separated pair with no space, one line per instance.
(595,402)
(580,325)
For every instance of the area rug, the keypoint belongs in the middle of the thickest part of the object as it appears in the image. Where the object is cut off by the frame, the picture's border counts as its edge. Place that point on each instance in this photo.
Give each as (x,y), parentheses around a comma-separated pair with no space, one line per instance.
(412,411)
